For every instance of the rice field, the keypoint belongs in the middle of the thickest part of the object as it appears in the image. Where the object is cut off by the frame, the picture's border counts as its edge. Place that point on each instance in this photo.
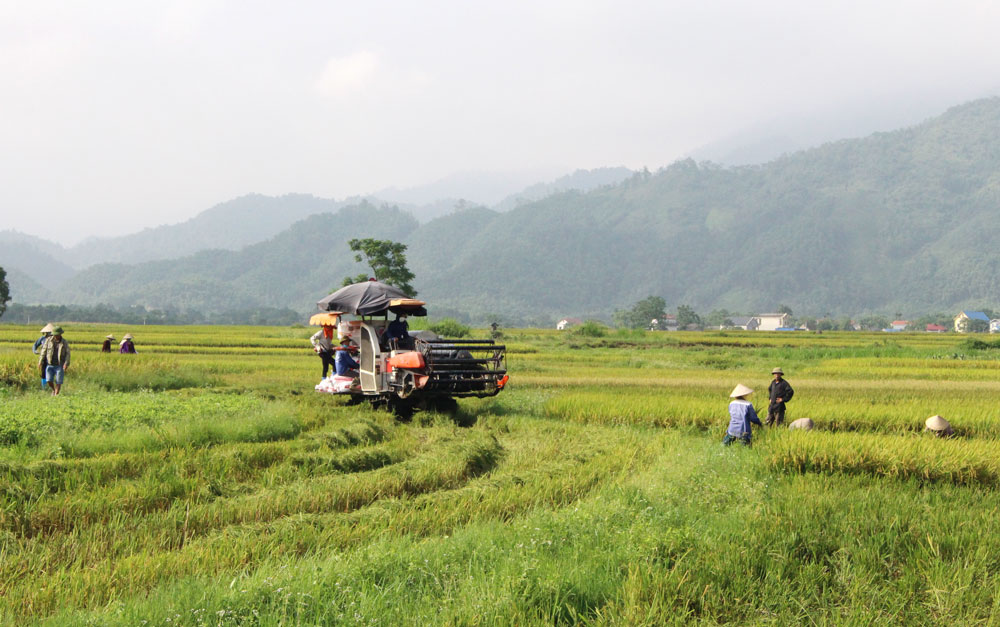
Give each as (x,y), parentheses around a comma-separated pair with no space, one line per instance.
(204,482)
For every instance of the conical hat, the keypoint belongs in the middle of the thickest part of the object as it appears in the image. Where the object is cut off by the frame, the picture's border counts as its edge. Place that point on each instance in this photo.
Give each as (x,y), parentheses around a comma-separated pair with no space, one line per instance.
(937,423)
(109,337)
(47,328)
(740,390)
(127,336)
(802,423)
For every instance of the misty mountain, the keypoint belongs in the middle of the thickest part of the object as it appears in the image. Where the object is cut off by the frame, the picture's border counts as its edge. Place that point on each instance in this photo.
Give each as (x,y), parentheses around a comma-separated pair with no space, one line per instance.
(24,288)
(250,219)
(34,257)
(463,188)
(772,139)
(903,221)
(580,180)
(294,268)
(228,226)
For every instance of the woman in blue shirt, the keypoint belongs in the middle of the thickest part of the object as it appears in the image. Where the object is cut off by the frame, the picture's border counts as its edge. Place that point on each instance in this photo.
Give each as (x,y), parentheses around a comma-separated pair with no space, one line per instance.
(741,415)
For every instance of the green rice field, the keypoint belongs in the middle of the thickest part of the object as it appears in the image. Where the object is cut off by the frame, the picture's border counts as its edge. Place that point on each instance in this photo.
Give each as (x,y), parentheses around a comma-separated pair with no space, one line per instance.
(204,482)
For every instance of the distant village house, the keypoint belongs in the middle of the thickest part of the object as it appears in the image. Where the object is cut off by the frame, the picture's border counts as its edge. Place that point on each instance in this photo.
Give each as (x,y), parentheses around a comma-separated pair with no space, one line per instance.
(773,321)
(747,323)
(936,328)
(964,320)
(567,323)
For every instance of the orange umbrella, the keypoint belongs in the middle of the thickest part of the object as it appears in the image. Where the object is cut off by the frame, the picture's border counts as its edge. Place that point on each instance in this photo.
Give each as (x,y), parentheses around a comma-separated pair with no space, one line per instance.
(326,319)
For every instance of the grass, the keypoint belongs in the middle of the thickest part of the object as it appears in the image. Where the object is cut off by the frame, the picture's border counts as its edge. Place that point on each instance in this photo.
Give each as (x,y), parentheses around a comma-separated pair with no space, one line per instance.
(202,481)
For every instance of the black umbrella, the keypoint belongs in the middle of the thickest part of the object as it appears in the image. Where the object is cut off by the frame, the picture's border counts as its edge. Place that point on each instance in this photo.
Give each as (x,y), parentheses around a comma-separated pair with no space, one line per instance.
(362,299)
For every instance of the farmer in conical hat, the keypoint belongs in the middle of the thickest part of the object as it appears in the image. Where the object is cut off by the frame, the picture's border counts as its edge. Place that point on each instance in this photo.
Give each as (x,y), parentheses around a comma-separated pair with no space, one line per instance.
(802,423)
(780,393)
(46,333)
(127,346)
(939,426)
(106,346)
(741,415)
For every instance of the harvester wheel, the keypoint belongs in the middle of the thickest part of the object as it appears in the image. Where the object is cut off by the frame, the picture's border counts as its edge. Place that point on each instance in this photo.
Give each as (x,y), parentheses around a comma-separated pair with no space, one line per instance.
(407,386)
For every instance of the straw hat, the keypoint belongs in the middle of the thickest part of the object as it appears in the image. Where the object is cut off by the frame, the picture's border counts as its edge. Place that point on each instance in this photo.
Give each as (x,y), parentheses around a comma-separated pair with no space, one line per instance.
(802,423)
(127,336)
(109,337)
(47,328)
(740,390)
(937,423)
(777,371)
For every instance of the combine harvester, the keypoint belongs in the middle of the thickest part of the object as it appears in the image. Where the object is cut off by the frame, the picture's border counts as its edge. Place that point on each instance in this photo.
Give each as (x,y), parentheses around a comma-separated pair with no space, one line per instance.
(426,372)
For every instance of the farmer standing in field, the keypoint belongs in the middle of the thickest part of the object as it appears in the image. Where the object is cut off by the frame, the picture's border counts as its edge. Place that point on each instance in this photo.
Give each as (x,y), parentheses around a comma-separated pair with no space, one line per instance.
(741,415)
(54,360)
(127,346)
(40,344)
(323,345)
(781,392)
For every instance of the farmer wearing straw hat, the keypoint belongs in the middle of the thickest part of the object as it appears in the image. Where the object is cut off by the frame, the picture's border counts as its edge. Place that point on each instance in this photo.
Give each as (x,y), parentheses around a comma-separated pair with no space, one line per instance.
(54,360)
(106,346)
(741,415)
(939,427)
(127,346)
(780,392)
(46,332)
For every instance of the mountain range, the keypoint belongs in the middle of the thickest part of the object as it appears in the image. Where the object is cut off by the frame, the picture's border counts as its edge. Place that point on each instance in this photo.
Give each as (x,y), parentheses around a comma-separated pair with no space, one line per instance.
(900,221)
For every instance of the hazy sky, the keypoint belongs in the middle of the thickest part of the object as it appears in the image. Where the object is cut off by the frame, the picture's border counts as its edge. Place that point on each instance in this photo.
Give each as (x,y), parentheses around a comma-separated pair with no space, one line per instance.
(116,116)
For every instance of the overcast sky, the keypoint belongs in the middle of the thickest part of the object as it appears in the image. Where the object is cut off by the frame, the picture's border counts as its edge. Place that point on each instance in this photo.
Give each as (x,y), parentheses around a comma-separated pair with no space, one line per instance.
(116,116)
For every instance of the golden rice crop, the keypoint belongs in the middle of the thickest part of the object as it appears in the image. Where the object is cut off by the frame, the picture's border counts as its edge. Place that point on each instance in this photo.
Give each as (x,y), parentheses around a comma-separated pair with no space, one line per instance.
(923,457)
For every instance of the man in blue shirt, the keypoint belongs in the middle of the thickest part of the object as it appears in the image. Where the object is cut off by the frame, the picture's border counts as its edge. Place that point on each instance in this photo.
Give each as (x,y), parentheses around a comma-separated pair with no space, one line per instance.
(741,415)
(345,364)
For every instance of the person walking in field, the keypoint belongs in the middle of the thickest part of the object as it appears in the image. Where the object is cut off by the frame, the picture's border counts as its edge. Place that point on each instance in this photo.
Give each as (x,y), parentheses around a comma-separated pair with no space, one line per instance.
(54,360)
(46,332)
(741,416)
(127,346)
(106,346)
(322,343)
(780,393)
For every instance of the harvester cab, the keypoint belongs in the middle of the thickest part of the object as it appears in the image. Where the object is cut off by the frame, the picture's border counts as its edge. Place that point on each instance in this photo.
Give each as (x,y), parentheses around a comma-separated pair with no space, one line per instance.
(419,370)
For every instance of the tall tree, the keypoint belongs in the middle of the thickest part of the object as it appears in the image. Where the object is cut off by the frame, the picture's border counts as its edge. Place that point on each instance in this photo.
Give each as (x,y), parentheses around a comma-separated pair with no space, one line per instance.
(4,291)
(387,261)
(642,313)
(686,315)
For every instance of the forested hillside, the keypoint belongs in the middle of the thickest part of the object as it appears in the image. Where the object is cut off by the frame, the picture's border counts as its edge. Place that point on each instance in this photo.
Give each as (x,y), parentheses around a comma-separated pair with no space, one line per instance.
(897,222)
(228,226)
(288,270)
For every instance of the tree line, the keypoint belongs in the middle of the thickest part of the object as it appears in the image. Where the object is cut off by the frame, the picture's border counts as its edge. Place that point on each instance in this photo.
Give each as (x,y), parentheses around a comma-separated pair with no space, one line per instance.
(17,313)
(642,314)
